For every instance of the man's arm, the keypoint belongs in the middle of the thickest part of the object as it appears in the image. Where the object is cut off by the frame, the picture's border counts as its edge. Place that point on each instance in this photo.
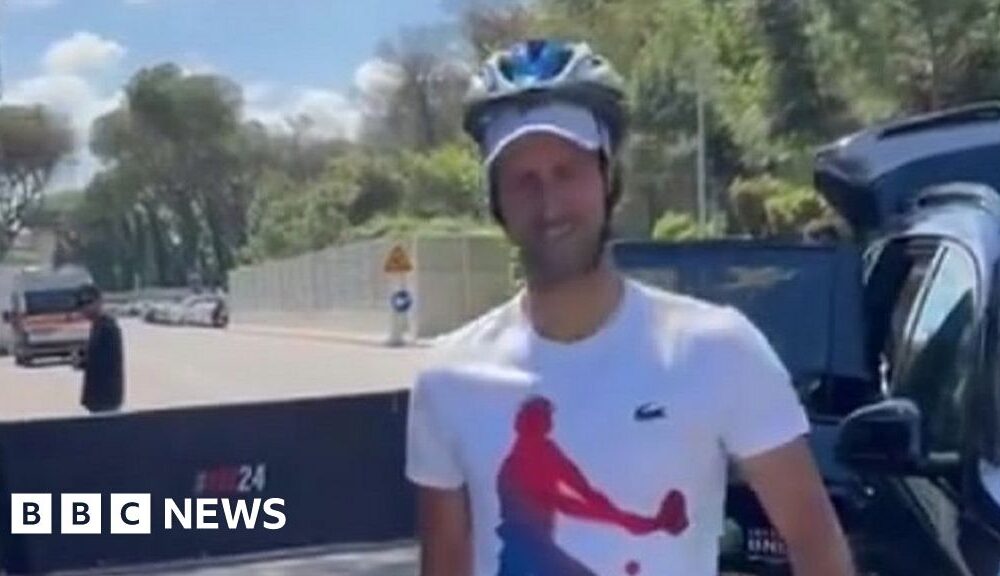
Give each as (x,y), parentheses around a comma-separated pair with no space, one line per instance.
(445,533)
(789,487)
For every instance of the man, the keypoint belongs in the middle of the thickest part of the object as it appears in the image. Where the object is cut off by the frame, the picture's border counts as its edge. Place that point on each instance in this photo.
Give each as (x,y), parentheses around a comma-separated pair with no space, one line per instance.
(103,377)
(585,427)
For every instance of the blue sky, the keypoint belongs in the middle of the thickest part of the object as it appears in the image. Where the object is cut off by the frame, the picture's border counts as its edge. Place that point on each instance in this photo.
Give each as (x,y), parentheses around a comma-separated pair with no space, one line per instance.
(317,42)
(291,56)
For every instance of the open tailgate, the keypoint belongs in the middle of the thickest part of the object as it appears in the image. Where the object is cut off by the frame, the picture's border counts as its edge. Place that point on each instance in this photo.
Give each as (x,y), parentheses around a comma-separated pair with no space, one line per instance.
(807,300)
(876,174)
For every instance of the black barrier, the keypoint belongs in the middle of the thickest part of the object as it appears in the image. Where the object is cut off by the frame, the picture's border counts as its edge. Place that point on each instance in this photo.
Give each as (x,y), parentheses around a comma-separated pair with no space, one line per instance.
(336,462)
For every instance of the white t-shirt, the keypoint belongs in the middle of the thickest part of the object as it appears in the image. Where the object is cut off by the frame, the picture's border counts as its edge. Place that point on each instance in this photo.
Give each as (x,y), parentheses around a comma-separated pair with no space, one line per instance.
(608,455)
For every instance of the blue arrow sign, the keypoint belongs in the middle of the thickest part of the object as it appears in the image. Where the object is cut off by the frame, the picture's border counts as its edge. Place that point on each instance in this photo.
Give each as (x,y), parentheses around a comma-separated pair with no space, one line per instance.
(401,301)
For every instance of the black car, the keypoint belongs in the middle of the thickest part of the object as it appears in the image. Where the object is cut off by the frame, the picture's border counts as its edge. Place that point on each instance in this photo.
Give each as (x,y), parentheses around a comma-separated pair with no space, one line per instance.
(892,343)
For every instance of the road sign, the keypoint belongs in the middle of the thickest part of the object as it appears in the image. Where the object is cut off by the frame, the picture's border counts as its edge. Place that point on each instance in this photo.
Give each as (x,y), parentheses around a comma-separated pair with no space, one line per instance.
(401,301)
(398,262)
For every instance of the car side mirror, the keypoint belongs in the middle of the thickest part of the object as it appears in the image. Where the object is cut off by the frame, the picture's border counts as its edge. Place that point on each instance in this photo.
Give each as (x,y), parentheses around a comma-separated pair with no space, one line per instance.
(883,438)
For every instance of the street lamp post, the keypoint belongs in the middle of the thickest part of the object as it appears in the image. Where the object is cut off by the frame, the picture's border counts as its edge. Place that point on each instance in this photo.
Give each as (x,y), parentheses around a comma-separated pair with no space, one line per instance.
(702,169)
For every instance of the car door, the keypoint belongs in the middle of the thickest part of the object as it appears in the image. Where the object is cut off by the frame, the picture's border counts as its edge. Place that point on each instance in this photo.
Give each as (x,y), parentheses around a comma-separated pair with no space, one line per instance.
(980,534)
(927,290)
(934,357)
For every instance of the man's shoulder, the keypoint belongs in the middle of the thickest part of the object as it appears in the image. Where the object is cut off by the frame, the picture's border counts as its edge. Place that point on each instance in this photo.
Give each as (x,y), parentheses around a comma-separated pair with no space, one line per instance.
(676,316)
(667,306)
(482,341)
(484,330)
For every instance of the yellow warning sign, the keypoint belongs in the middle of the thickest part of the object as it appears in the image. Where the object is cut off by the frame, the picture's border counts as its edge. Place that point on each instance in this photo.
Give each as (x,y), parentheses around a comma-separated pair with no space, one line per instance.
(398,262)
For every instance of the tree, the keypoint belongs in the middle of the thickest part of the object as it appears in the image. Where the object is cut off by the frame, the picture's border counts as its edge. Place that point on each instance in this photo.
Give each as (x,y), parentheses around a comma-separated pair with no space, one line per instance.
(289,217)
(422,108)
(379,184)
(444,182)
(190,165)
(32,142)
(491,28)
(896,56)
(800,105)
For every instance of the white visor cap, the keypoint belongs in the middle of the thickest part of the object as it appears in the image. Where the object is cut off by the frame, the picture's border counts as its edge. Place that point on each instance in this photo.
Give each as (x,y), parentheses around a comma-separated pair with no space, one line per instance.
(568,121)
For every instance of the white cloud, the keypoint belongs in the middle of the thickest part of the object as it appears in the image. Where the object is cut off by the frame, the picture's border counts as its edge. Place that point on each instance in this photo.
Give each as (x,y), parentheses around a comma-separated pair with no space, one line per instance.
(258,92)
(330,114)
(65,87)
(26,5)
(82,52)
(66,94)
(375,76)
(74,98)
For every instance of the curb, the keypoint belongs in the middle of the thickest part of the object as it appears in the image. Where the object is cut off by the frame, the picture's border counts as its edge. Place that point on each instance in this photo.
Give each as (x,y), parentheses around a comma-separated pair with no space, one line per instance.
(325,336)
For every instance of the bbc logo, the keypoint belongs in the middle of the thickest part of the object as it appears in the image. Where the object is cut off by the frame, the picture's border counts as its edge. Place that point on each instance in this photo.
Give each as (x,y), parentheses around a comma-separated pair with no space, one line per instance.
(132,513)
(80,514)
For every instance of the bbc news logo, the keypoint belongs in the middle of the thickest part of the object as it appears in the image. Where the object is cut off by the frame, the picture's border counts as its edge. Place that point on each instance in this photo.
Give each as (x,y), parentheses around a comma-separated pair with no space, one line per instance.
(133,513)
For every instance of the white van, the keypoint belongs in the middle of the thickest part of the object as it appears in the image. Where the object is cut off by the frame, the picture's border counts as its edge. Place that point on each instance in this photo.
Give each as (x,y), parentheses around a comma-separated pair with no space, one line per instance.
(45,314)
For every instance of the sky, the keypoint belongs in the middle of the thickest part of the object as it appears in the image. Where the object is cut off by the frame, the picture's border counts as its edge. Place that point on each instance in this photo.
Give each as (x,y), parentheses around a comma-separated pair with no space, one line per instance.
(291,56)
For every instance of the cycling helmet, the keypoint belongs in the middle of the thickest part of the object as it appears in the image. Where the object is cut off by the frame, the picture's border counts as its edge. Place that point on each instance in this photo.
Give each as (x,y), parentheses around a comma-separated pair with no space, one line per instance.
(546,71)
(569,89)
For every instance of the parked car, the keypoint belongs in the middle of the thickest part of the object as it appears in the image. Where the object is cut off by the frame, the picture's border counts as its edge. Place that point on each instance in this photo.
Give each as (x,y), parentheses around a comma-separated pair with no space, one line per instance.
(900,369)
(159,312)
(205,310)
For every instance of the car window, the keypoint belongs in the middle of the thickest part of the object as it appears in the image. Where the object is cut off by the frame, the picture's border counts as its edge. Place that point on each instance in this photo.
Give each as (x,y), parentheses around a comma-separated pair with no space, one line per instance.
(896,272)
(916,275)
(932,359)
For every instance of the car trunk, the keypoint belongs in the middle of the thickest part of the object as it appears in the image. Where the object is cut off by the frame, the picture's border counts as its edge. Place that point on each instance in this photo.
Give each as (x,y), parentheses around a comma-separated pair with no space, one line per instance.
(875,175)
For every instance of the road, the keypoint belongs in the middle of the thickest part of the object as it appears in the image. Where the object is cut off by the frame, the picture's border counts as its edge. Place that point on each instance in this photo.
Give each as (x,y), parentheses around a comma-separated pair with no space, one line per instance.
(395,559)
(168,366)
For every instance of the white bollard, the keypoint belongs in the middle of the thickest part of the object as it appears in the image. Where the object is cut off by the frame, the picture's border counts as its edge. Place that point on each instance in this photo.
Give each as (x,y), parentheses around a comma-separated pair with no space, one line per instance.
(397,329)
(399,321)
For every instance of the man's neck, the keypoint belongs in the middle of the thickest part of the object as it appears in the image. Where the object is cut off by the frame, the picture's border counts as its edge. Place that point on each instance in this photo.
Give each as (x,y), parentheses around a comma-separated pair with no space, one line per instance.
(577,308)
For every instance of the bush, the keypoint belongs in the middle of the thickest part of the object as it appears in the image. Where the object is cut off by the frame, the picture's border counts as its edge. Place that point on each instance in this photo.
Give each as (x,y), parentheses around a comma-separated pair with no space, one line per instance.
(443,182)
(400,226)
(681,227)
(675,226)
(769,206)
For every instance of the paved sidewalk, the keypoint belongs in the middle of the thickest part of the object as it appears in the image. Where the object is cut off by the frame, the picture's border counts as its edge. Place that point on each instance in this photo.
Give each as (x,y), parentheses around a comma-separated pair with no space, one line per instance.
(322,334)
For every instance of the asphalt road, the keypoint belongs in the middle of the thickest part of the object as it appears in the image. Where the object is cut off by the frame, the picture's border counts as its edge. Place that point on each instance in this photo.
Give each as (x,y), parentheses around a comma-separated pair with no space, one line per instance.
(172,366)
(169,366)
(393,559)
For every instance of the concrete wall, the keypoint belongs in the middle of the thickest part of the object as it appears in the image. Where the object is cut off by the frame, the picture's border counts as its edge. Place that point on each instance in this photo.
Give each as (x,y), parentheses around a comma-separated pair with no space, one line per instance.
(344,287)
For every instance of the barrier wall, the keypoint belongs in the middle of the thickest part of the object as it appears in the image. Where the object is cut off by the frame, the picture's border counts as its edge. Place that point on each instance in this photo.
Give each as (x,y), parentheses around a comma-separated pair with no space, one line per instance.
(336,462)
(344,288)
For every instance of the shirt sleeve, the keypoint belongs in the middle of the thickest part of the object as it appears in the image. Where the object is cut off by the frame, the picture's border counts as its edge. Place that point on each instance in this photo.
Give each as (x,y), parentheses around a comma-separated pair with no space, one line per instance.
(430,452)
(762,408)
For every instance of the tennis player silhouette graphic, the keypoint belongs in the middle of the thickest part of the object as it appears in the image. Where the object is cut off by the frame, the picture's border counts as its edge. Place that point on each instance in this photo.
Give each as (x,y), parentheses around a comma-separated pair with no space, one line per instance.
(537,481)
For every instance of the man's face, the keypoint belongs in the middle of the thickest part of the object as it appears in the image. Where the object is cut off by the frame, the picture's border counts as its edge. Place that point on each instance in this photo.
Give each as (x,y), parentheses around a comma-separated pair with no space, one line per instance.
(551,194)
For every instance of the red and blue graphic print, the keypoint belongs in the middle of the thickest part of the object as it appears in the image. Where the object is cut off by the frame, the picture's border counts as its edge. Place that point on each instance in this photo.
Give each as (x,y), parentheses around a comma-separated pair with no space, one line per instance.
(537,481)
